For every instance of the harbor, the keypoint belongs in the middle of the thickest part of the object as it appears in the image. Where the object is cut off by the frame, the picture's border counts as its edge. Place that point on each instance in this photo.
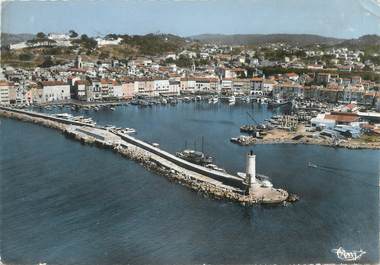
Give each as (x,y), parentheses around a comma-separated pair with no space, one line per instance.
(306,122)
(117,195)
(246,189)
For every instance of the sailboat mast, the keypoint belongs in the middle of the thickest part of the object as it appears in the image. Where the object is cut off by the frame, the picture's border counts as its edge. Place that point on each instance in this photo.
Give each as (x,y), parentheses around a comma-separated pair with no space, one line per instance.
(202,144)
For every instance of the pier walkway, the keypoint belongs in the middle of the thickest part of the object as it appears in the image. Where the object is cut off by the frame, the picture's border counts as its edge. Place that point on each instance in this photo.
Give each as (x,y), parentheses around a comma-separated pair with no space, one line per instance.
(222,184)
(46,116)
(214,174)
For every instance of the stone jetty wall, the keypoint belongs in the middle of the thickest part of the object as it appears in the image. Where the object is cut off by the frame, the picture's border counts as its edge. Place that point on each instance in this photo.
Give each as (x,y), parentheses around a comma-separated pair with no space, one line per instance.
(144,158)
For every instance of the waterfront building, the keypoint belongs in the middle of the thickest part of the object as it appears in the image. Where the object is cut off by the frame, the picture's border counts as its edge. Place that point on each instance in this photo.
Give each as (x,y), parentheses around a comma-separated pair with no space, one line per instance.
(331,93)
(161,87)
(128,88)
(111,89)
(226,86)
(94,92)
(288,90)
(187,85)
(13,92)
(145,87)
(117,90)
(53,91)
(257,83)
(5,88)
(241,86)
(81,89)
(174,87)
(268,85)
(206,84)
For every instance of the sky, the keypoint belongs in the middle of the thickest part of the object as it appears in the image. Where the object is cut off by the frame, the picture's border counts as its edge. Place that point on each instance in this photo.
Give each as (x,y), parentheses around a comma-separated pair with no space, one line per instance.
(333,18)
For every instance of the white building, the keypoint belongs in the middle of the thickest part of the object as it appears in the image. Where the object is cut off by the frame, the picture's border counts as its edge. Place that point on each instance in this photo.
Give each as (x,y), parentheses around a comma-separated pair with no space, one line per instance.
(18,46)
(161,87)
(118,91)
(187,85)
(103,42)
(53,91)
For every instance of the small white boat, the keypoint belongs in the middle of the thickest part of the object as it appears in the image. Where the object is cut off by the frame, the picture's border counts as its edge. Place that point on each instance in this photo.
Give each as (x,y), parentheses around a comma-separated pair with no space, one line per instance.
(64,115)
(213,100)
(215,167)
(129,130)
(312,165)
(232,99)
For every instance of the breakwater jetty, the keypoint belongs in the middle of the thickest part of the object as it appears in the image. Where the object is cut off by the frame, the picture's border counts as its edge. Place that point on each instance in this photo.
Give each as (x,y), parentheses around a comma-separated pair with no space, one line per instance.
(246,189)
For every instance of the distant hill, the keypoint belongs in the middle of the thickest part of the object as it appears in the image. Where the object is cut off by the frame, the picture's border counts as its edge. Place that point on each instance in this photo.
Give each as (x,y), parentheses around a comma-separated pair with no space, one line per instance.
(363,41)
(8,38)
(257,39)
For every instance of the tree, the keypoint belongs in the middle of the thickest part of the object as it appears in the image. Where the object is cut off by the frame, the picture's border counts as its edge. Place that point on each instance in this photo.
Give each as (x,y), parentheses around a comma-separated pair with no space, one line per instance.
(111,36)
(86,42)
(73,34)
(184,61)
(41,35)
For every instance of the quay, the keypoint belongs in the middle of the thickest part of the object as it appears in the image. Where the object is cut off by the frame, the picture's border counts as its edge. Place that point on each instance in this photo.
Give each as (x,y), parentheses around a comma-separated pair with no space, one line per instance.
(246,188)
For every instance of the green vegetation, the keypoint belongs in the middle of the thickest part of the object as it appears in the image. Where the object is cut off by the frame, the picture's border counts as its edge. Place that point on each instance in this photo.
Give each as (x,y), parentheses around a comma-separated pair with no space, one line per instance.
(85,42)
(184,61)
(40,36)
(73,34)
(152,44)
(26,56)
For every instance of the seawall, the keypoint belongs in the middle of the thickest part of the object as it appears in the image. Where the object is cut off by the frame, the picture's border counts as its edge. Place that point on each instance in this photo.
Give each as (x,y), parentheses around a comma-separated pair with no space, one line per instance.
(221,187)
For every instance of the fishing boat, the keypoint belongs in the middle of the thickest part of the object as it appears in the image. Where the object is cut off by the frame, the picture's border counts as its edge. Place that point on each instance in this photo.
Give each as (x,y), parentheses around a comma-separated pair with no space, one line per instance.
(195,157)
(279,102)
(310,164)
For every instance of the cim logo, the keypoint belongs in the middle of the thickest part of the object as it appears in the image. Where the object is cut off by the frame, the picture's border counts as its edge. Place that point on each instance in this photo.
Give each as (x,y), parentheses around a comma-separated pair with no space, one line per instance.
(344,255)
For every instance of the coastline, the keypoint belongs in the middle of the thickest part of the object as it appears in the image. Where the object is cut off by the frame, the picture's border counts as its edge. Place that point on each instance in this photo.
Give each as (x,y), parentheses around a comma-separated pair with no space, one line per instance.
(353,146)
(301,136)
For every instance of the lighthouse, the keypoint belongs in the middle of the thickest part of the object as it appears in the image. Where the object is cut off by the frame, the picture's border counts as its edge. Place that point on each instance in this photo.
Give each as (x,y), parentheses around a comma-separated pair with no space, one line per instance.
(250,173)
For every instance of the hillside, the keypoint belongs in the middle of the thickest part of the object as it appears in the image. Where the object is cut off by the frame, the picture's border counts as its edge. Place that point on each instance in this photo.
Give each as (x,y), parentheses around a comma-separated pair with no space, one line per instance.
(258,39)
(8,38)
(363,41)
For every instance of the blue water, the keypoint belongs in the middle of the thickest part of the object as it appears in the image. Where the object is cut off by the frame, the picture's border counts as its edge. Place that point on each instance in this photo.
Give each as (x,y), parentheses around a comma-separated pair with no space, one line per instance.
(67,203)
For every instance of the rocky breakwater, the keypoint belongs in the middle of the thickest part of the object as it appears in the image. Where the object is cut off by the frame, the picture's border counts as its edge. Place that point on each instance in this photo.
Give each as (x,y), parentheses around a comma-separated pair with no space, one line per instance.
(184,177)
(32,119)
(201,184)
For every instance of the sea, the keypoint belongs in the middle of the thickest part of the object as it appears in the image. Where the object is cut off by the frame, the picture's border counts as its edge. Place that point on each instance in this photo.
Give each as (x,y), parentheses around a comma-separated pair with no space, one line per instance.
(63,202)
